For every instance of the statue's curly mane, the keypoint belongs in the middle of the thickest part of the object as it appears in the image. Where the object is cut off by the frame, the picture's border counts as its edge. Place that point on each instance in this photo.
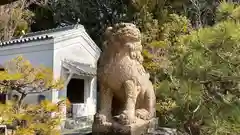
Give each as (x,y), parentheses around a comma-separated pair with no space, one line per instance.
(123,37)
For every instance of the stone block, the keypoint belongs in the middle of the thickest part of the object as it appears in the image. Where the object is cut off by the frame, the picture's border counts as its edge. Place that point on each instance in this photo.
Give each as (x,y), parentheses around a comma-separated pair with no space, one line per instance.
(141,127)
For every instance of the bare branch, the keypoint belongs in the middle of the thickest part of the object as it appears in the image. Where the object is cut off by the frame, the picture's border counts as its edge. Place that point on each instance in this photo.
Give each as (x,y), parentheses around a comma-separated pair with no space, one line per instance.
(40,91)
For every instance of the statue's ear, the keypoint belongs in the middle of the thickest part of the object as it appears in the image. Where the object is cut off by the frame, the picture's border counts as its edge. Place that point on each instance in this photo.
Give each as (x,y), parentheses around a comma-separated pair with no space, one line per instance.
(108,32)
(104,45)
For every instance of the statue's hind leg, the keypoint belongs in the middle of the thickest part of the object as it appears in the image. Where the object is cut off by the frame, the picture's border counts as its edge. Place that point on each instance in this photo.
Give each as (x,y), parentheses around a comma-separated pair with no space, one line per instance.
(151,102)
(147,110)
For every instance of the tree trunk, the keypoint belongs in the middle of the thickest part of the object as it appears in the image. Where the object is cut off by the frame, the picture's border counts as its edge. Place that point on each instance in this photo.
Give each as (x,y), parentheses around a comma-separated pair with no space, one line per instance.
(21,101)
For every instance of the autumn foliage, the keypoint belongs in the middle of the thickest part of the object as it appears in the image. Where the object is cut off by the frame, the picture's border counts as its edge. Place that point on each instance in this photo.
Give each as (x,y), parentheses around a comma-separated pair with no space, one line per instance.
(28,119)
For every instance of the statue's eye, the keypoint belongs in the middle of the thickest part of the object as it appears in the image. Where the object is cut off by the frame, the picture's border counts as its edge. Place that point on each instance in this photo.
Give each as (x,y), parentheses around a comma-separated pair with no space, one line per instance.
(133,55)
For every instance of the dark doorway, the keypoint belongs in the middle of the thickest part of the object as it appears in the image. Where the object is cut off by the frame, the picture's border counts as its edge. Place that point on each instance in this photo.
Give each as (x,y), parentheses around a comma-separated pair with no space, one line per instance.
(2,68)
(3,98)
(75,91)
(41,98)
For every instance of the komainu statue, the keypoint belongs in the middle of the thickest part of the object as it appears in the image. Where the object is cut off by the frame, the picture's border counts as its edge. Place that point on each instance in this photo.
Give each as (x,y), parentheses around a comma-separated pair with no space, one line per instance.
(126,93)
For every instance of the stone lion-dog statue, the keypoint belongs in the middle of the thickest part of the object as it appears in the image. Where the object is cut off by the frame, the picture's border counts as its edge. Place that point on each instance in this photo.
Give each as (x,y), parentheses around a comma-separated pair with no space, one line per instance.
(126,92)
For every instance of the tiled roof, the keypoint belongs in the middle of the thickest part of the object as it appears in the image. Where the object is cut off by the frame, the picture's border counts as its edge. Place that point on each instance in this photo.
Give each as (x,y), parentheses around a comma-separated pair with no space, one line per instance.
(39,35)
(81,68)
(62,28)
(24,40)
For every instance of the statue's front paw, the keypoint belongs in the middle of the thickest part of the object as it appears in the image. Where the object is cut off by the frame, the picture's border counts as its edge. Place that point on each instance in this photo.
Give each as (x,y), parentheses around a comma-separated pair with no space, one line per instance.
(125,119)
(143,114)
(100,118)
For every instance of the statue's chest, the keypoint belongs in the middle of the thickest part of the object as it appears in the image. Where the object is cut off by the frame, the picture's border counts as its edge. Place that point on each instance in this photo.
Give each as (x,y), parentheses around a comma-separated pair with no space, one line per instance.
(124,68)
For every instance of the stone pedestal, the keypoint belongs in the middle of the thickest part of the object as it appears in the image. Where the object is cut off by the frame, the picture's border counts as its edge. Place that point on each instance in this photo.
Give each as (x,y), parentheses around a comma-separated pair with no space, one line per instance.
(141,127)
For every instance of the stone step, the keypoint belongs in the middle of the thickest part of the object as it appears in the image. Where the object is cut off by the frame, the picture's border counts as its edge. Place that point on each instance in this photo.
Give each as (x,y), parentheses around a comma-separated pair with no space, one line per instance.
(84,131)
(163,131)
(78,123)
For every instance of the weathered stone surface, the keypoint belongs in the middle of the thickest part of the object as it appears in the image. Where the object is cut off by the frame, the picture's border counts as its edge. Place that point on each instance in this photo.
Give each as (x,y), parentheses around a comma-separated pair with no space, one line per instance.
(127,98)
(78,123)
(141,127)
